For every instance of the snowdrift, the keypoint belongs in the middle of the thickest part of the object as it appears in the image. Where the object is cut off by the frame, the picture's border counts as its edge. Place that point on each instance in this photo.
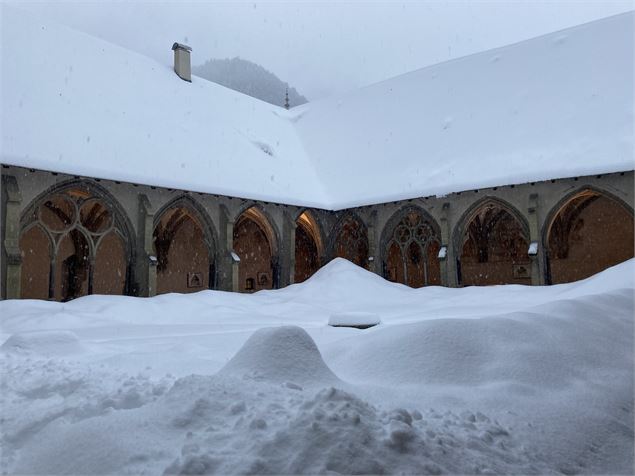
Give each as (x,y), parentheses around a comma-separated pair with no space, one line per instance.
(505,379)
(546,348)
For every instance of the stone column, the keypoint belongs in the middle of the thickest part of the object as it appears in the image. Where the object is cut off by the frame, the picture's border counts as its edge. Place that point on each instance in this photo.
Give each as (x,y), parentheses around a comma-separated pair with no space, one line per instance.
(537,276)
(91,273)
(147,261)
(11,243)
(286,250)
(292,229)
(228,266)
(373,245)
(448,264)
(235,264)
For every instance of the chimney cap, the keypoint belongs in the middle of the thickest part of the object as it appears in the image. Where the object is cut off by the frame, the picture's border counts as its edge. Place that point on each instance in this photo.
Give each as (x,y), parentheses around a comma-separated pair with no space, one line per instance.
(181,46)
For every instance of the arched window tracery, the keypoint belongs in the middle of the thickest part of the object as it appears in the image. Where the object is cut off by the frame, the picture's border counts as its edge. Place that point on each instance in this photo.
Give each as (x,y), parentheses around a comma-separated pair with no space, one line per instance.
(412,257)
(74,222)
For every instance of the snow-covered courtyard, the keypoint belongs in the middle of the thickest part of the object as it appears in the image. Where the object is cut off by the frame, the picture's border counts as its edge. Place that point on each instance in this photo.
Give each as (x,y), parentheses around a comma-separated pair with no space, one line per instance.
(502,379)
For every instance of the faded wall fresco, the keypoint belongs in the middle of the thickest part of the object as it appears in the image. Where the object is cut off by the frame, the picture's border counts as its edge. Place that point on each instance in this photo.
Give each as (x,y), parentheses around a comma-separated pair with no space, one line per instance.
(254,247)
(352,242)
(36,264)
(494,249)
(589,234)
(182,255)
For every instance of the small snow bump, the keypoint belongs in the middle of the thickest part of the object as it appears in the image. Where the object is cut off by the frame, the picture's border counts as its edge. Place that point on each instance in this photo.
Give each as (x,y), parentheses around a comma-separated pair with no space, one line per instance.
(237,408)
(266,148)
(293,386)
(258,424)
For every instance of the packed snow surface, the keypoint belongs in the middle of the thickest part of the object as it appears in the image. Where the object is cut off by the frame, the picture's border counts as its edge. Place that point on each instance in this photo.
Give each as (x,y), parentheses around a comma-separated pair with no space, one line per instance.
(501,379)
(552,107)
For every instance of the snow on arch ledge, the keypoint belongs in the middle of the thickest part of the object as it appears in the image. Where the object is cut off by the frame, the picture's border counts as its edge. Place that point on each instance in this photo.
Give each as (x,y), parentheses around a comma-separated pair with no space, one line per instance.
(357,319)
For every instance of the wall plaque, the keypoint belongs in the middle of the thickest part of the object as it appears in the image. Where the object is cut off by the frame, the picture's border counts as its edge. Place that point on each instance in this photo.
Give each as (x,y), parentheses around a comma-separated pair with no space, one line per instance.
(521,271)
(194,280)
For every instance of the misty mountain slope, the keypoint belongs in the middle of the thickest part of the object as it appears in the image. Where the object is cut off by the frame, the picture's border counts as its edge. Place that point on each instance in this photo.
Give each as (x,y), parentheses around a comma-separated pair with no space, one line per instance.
(248,78)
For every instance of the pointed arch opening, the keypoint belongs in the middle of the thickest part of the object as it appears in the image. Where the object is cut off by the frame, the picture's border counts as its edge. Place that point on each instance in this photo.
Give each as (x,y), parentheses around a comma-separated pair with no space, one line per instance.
(255,242)
(60,243)
(588,233)
(351,241)
(493,247)
(412,245)
(308,247)
(185,260)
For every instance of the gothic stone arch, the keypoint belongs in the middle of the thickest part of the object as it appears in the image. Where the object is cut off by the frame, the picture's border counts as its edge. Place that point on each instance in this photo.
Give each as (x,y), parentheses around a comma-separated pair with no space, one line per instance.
(309,247)
(255,241)
(587,232)
(75,240)
(349,240)
(184,243)
(410,248)
(491,243)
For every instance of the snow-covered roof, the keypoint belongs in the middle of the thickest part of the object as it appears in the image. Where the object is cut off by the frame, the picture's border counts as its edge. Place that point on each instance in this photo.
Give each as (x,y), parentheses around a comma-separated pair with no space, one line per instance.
(556,106)
(76,104)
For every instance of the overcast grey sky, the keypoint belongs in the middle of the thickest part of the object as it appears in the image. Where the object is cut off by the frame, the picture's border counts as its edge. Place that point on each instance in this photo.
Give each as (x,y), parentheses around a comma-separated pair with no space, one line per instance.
(324,48)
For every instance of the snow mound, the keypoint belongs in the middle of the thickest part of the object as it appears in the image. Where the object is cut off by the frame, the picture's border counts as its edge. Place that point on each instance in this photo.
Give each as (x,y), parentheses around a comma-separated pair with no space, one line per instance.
(548,346)
(347,284)
(361,320)
(281,354)
(43,343)
(335,431)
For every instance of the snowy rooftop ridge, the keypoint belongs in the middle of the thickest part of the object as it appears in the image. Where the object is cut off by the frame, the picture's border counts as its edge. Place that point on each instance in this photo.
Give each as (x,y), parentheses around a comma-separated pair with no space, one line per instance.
(555,106)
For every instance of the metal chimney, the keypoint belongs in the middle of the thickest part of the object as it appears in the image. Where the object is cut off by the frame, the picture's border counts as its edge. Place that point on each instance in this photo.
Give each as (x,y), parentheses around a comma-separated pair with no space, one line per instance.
(182,65)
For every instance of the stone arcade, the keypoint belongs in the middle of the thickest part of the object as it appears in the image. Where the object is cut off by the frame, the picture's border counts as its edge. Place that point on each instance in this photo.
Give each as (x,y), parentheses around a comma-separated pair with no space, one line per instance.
(67,236)
(75,229)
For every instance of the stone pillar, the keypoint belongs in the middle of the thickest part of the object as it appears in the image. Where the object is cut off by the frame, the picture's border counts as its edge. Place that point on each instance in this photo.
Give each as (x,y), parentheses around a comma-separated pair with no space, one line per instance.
(448,264)
(11,238)
(91,273)
(227,265)
(235,264)
(374,252)
(286,251)
(292,229)
(537,276)
(147,261)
